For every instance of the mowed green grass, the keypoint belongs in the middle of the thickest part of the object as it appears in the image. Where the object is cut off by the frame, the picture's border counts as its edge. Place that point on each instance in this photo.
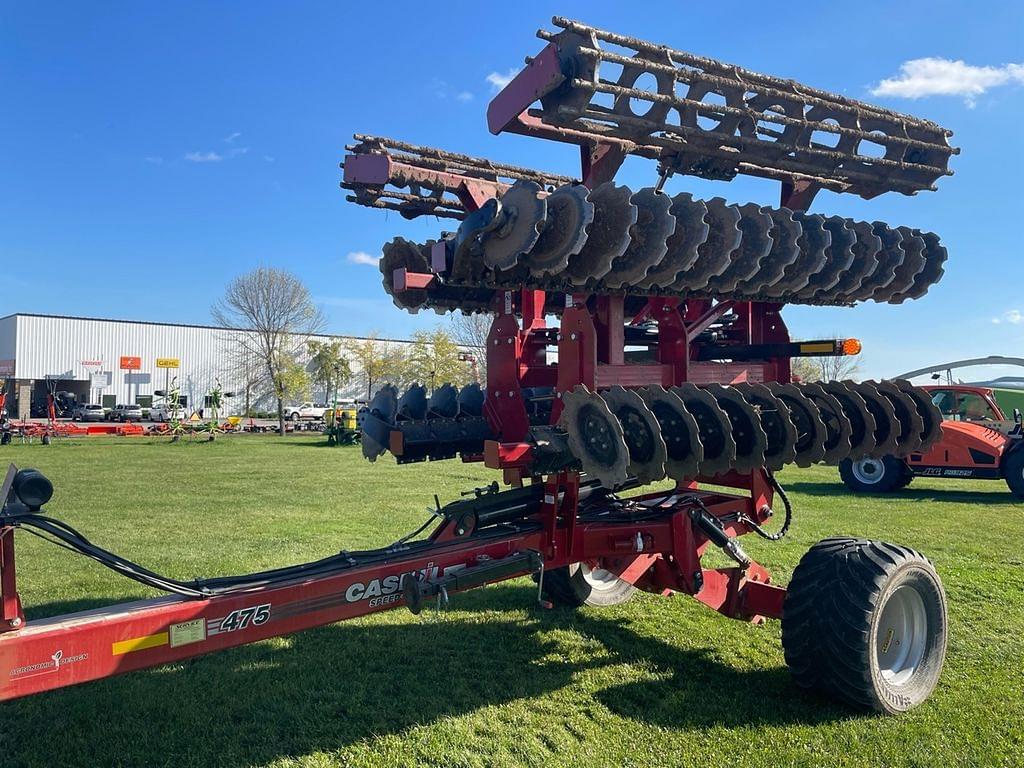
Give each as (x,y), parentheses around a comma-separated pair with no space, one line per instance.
(495,681)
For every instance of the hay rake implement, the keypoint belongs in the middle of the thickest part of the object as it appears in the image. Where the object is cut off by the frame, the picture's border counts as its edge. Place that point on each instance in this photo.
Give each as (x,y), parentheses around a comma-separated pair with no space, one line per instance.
(672,363)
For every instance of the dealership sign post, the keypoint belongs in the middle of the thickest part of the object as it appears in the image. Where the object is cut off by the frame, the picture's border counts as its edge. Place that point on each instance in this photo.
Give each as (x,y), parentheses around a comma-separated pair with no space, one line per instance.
(167,363)
(97,380)
(130,363)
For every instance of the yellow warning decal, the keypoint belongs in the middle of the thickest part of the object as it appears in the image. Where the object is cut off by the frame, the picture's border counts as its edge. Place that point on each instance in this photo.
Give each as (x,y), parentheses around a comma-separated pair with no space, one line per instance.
(139,643)
(819,347)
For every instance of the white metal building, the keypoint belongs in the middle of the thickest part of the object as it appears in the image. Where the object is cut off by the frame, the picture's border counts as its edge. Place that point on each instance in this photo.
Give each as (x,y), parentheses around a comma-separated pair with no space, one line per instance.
(83,356)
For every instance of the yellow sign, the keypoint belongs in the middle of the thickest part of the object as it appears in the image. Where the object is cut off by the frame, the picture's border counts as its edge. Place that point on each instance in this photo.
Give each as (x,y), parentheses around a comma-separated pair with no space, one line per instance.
(168,362)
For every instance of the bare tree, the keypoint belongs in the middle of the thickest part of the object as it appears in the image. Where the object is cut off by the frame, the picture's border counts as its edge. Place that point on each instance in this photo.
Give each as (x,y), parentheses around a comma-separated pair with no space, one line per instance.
(276,308)
(831,368)
(470,333)
(246,369)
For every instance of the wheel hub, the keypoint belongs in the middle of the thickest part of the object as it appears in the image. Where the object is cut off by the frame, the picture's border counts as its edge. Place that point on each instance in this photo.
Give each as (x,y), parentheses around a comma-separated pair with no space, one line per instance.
(868,471)
(902,635)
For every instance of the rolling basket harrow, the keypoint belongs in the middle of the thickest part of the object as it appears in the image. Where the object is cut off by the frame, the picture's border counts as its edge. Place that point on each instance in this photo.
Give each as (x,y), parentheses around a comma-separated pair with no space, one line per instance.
(637,337)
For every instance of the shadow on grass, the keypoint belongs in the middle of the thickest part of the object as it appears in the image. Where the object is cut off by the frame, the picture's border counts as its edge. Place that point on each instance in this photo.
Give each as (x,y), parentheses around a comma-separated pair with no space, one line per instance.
(330,687)
(999,493)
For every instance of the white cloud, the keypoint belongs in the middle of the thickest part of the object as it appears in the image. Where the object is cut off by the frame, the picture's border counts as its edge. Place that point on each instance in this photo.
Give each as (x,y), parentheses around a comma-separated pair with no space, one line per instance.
(499,81)
(230,139)
(1011,316)
(203,157)
(362,257)
(154,159)
(215,157)
(444,90)
(269,158)
(935,76)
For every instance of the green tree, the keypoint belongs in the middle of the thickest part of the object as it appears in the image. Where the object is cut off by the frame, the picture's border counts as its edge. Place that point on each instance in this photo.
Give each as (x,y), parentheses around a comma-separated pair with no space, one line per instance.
(378,361)
(328,367)
(291,382)
(436,359)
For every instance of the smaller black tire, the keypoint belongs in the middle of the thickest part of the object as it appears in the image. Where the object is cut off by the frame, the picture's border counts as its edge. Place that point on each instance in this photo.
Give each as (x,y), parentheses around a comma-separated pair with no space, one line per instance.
(865,622)
(874,475)
(1013,471)
(578,584)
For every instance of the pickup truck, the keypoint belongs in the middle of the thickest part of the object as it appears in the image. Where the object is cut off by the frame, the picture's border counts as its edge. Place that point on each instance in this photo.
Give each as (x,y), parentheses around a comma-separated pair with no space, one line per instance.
(305,411)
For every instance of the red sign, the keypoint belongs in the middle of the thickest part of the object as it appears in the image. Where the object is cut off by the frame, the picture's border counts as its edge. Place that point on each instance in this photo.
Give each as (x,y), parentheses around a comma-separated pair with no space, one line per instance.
(129,363)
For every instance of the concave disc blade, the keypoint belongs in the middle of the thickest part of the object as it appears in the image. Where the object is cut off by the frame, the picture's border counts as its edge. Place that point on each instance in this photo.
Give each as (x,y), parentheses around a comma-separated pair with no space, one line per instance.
(715,253)
(569,215)
(931,416)
(812,244)
(887,426)
(934,258)
(865,259)
(776,421)
(412,405)
(690,233)
(443,403)
(648,239)
(839,257)
(785,250)
(397,254)
(608,236)
(862,423)
(523,211)
(906,274)
(756,243)
(751,441)
(678,430)
(889,259)
(647,451)
(811,432)
(595,436)
(911,423)
(378,422)
(838,428)
(713,426)
(471,401)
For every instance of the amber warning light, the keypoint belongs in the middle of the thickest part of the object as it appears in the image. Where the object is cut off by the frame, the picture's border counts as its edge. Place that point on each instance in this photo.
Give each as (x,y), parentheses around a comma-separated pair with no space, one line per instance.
(852,346)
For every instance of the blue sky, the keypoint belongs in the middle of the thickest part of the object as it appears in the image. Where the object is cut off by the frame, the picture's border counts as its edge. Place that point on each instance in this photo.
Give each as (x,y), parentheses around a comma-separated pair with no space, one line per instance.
(145,139)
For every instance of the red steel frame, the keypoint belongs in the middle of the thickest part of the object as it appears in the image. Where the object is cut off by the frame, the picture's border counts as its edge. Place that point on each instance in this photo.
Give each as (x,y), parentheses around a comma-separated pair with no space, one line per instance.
(658,555)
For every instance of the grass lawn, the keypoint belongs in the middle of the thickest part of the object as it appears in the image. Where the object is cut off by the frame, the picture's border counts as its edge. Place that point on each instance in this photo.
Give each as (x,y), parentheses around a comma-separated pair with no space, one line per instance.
(495,681)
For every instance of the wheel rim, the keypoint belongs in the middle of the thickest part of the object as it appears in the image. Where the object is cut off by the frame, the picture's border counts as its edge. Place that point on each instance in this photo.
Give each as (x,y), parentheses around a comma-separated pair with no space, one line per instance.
(868,471)
(597,578)
(902,635)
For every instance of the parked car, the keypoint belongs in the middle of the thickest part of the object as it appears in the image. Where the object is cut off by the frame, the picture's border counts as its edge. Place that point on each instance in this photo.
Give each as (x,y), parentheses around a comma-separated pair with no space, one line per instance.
(306,411)
(89,412)
(166,411)
(126,413)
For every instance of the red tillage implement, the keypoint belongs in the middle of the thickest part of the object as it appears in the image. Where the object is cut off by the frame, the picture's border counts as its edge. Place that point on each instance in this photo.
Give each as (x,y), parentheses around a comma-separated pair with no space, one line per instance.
(673,361)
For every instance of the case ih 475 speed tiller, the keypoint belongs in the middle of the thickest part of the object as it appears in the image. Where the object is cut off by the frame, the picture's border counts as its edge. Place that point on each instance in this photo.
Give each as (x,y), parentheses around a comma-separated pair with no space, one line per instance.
(673,361)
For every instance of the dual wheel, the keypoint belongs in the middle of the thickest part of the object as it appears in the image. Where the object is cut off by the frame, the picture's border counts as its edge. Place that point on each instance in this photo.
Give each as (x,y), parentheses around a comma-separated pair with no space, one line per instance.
(864,621)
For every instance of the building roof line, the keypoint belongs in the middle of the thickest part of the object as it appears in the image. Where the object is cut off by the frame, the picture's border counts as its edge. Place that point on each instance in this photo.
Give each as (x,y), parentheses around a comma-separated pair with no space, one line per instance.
(189,325)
